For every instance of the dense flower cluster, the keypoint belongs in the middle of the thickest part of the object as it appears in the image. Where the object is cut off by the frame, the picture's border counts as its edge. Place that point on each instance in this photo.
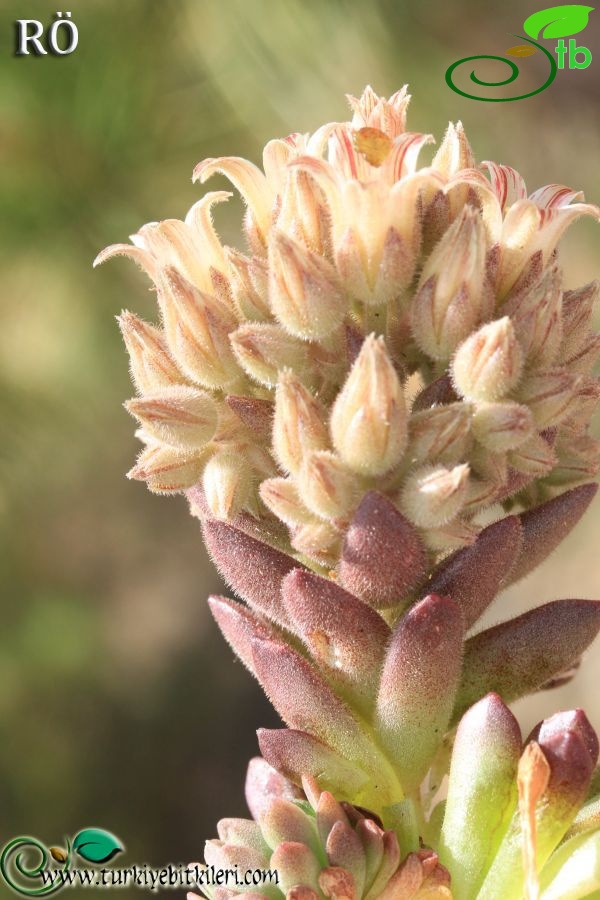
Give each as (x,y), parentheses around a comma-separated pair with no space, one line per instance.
(391,327)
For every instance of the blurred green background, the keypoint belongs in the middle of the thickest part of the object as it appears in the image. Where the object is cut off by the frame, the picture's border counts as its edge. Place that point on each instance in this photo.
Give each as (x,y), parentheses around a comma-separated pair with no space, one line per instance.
(119,704)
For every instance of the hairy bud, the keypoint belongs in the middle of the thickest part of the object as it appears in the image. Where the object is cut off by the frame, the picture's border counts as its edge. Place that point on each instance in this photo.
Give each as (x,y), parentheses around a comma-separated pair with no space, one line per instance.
(262,350)
(489,363)
(152,367)
(549,395)
(502,426)
(167,470)
(179,415)
(326,485)
(433,496)
(304,289)
(197,327)
(448,301)
(282,497)
(299,425)
(368,421)
(226,482)
(440,434)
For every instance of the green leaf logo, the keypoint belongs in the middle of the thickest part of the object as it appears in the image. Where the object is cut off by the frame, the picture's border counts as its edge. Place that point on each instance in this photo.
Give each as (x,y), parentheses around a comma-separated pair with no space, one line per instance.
(96,845)
(558,21)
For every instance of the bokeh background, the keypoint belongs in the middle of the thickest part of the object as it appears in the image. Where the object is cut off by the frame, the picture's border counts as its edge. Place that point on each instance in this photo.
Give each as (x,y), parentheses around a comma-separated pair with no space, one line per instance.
(120,706)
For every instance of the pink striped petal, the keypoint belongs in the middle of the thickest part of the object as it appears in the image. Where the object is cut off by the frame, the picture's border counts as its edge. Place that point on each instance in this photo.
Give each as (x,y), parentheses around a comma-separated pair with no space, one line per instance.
(555,196)
(276,156)
(508,185)
(404,154)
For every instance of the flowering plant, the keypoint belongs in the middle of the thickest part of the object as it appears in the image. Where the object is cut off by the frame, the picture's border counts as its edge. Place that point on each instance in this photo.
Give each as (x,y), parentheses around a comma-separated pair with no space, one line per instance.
(380,415)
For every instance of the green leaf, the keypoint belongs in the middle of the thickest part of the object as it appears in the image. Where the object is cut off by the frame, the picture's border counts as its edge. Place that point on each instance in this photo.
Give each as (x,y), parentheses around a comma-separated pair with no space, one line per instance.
(96,845)
(305,806)
(558,21)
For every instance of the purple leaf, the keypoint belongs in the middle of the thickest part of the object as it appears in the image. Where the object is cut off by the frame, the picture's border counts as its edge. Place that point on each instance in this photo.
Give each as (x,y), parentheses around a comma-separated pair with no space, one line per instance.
(252,569)
(570,720)
(547,525)
(296,753)
(305,702)
(341,632)
(418,685)
(383,557)
(238,626)
(518,656)
(473,576)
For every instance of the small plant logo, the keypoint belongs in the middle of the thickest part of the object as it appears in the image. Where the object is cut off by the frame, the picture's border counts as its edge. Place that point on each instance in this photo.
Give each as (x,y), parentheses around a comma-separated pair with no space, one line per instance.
(555,22)
(25,860)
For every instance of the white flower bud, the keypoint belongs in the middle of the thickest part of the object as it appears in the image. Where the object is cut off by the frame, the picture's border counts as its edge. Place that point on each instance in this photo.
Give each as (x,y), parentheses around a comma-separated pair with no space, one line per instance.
(179,415)
(167,470)
(248,283)
(448,302)
(299,423)
(535,457)
(440,434)
(198,328)
(550,396)
(502,426)
(263,350)
(319,541)
(304,289)
(489,363)
(433,496)
(282,498)
(326,486)
(226,482)
(453,536)
(368,421)
(536,317)
(152,367)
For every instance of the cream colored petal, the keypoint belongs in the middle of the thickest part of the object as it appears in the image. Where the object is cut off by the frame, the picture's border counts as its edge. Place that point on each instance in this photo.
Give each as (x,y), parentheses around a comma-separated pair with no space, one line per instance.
(454,153)
(491,209)
(247,179)
(199,220)
(173,243)
(277,154)
(143,259)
